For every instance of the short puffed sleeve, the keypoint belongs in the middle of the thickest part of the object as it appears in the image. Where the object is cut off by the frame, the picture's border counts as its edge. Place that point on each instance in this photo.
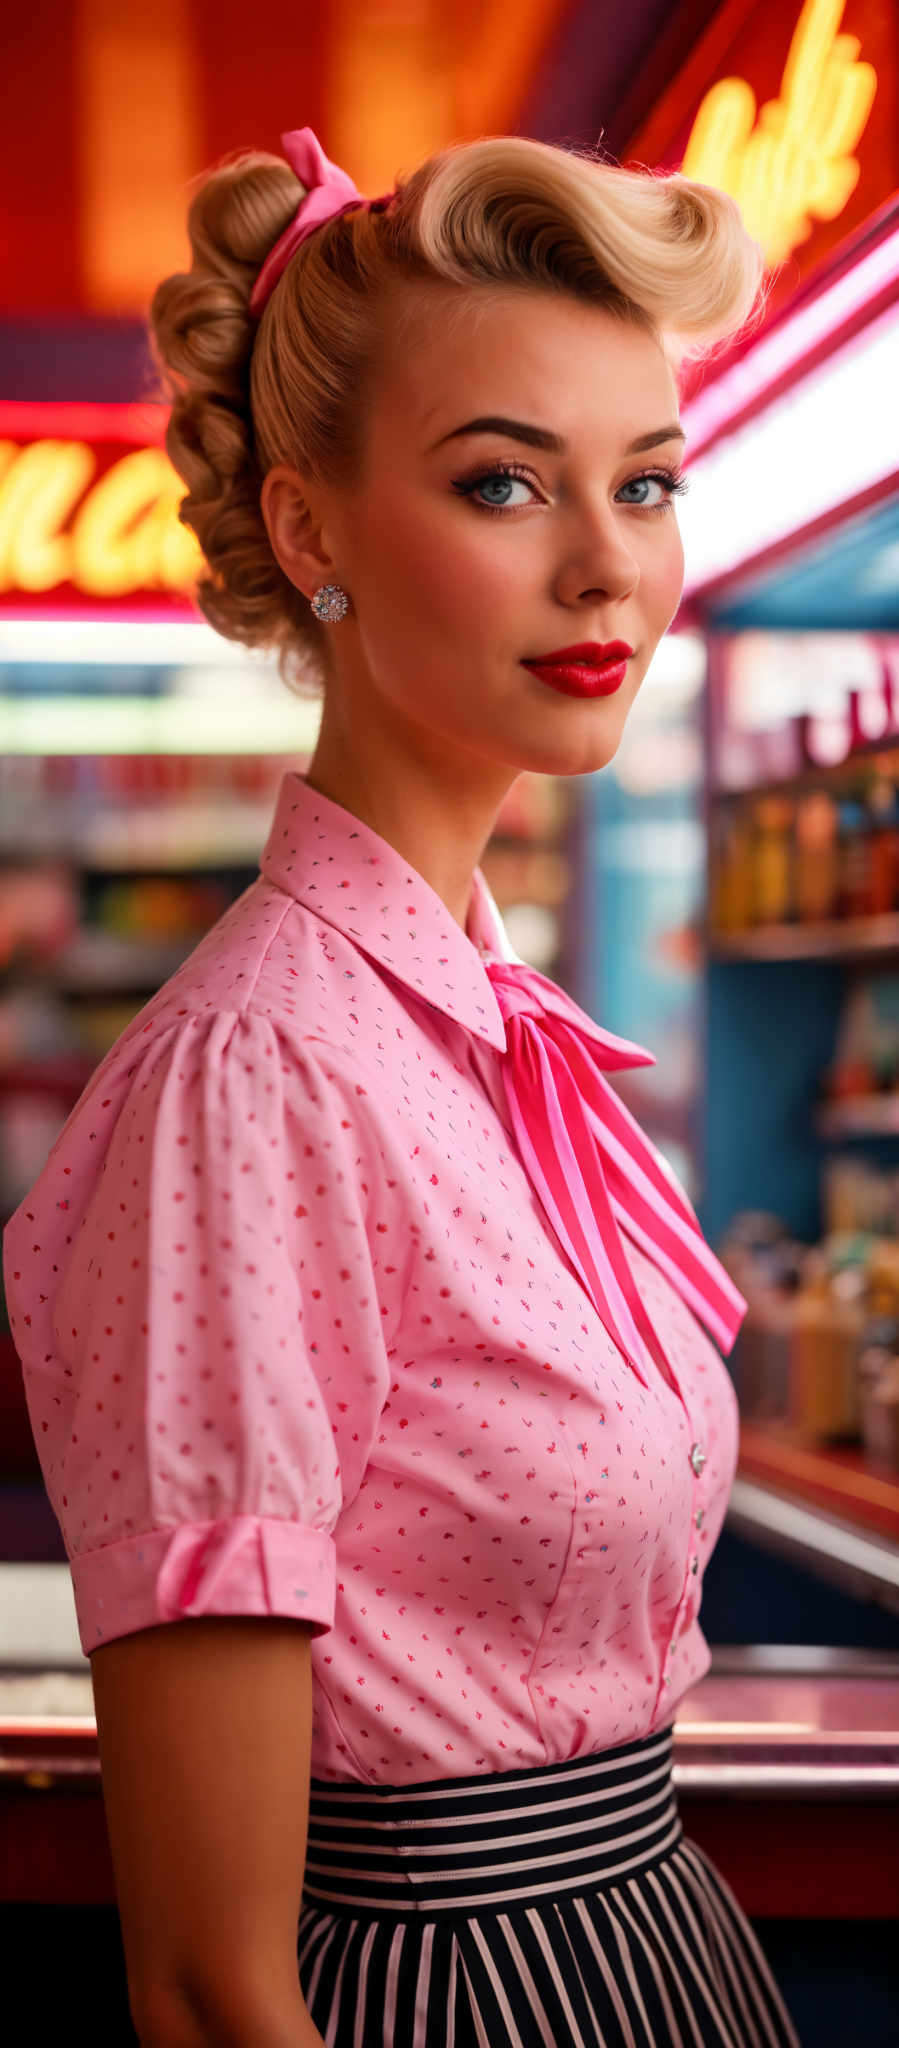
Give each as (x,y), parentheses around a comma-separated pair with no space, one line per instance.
(193,1301)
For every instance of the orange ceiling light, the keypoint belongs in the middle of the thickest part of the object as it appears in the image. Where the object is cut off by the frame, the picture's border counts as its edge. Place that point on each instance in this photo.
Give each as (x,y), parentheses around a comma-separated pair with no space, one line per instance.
(138,133)
(394,80)
(410,76)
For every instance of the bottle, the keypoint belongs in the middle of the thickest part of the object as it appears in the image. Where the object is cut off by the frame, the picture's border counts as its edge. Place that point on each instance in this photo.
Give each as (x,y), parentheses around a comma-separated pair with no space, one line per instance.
(878,1382)
(731,882)
(773,863)
(829,1317)
(877,1361)
(816,856)
(882,803)
(854,892)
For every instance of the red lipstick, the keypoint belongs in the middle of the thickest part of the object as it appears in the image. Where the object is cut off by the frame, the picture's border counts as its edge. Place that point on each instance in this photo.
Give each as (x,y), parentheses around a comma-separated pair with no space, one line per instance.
(589,669)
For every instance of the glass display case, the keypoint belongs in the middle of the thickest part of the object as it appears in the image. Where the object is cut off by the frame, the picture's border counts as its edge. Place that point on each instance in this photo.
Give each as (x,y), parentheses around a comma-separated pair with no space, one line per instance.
(802,1176)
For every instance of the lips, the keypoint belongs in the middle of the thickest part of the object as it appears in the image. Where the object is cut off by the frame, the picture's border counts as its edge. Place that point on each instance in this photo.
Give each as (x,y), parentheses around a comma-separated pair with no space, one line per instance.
(591,652)
(592,668)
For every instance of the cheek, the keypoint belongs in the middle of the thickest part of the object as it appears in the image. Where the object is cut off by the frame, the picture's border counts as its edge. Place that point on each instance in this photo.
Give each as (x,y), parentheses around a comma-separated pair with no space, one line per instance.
(441,562)
(674,559)
(662,575)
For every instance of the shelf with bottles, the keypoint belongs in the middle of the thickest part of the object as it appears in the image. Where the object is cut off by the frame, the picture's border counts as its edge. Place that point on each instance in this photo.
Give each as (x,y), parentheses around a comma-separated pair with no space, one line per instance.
(858,1088)
(816,1361)
(860,1116)
(807,868)
(827,939)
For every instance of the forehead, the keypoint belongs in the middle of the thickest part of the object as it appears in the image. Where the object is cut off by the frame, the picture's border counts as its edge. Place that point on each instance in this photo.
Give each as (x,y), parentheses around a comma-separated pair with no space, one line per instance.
(450,352)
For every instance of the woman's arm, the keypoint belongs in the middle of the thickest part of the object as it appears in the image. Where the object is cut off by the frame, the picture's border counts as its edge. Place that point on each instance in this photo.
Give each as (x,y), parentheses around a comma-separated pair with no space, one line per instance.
(204,1731)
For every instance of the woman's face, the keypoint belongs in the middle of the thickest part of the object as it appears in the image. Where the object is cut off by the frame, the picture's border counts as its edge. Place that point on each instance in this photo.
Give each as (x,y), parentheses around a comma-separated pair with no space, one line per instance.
(458,569)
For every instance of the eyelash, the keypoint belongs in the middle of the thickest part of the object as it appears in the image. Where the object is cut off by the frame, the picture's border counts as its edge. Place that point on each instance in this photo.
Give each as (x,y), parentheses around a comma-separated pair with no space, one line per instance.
(673,479)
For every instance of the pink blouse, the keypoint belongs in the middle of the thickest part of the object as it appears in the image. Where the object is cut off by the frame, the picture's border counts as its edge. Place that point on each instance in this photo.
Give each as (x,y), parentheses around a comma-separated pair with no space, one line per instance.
(301,1334)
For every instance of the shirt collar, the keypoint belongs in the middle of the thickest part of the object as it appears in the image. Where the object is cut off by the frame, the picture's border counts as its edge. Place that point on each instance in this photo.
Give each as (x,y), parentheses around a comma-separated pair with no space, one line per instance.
(353,879)
(586,1155)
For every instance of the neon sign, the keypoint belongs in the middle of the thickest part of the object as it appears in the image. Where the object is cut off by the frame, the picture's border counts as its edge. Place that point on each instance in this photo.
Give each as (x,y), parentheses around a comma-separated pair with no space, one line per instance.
(789,163)
(85,517)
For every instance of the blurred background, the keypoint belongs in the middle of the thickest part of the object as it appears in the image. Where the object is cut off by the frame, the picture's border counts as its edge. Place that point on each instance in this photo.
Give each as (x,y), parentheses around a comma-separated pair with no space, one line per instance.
(726,892)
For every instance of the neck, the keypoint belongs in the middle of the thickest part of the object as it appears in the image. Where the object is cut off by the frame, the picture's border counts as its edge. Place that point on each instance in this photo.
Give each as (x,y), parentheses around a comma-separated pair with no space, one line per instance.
(439,828)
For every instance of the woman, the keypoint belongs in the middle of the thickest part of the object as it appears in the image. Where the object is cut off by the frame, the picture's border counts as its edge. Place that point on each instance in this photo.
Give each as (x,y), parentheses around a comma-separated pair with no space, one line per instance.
(351,1298)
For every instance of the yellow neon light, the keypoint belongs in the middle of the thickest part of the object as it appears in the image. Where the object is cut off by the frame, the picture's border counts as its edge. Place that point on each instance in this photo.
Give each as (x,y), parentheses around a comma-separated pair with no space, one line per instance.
(793,165)
(125,534)
(39,487)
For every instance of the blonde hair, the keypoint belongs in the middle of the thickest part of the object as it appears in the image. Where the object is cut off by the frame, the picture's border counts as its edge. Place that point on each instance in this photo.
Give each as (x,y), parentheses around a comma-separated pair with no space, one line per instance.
(669,255)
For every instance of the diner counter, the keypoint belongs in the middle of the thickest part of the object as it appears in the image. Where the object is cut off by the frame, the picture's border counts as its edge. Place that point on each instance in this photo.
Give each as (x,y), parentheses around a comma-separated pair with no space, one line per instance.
(786,1765)
(772,1719)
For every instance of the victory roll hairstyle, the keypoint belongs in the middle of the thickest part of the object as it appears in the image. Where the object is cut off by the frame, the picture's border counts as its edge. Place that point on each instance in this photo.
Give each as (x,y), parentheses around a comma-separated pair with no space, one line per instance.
(672,257)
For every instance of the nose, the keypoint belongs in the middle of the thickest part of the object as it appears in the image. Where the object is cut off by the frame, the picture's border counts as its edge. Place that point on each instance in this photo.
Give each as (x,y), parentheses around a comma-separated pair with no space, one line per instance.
(600,563)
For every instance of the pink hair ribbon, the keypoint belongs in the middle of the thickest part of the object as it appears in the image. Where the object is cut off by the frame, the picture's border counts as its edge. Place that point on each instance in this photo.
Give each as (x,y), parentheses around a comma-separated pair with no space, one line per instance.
(329,191)
(594,1169)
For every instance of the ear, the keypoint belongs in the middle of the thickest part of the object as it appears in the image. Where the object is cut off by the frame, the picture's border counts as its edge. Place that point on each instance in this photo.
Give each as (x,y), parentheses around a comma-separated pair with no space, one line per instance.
(292,523)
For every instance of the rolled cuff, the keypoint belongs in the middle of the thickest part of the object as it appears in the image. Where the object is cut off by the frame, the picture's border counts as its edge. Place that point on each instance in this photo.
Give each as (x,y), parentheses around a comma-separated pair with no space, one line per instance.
(249,1564)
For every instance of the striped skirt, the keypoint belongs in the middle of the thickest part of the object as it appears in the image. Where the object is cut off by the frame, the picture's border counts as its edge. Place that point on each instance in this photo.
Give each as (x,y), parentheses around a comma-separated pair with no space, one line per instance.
(561,1907)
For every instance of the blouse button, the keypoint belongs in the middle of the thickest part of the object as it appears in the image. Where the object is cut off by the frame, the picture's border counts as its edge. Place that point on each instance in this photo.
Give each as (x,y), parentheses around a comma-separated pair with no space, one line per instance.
(697,1458)
(700,1513)
(694,1564)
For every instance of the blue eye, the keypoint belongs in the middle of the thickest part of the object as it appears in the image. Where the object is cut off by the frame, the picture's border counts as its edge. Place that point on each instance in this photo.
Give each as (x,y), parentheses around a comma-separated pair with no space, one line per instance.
(673,482)
(501,472)
(504,475)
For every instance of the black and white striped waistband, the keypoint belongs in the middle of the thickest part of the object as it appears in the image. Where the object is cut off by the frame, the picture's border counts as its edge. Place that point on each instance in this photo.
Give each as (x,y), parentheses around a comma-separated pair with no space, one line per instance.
(507,1839)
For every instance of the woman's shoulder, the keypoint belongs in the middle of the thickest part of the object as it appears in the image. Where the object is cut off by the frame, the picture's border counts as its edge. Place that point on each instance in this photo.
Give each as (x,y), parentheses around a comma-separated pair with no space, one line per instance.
(277,971)
(259,1053)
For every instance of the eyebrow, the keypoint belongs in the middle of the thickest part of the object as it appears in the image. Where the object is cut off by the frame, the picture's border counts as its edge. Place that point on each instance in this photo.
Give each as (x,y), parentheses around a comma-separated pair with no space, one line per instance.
(541,437)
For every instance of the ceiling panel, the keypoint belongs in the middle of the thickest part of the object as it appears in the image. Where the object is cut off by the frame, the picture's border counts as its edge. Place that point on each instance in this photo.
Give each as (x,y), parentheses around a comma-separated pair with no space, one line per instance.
(847,578)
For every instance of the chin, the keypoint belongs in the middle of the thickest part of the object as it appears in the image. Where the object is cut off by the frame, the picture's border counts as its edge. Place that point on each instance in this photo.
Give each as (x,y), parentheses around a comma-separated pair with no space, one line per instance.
(586,759)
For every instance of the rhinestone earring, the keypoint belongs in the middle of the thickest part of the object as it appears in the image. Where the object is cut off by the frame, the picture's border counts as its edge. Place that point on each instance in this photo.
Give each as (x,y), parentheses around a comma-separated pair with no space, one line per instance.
(329,602)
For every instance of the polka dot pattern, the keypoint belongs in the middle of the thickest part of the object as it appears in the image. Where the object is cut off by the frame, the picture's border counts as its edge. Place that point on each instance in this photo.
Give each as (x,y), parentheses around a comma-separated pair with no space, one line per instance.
(298,1338)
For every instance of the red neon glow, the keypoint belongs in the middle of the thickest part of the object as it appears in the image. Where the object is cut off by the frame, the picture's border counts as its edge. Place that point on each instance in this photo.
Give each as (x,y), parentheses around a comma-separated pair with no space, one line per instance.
(59,420)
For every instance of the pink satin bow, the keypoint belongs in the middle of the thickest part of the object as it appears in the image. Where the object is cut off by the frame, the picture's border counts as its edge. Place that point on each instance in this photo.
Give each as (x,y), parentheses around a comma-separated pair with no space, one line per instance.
(594,1169)
(329,191)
